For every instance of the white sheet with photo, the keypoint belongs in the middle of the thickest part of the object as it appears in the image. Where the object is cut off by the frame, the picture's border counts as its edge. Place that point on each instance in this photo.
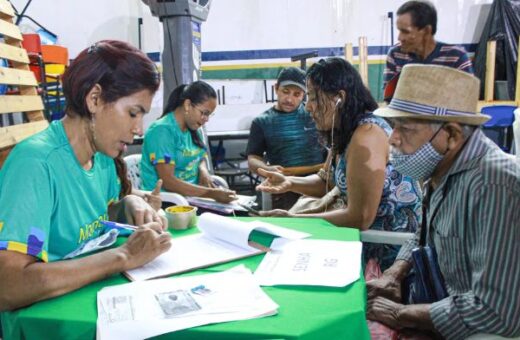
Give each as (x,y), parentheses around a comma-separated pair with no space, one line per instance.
(140,310)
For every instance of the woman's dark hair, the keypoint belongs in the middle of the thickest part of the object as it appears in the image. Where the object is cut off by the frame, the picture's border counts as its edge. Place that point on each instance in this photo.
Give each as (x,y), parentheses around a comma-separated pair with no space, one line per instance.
(119,68)
(329,77)
(197,92)
(422,13)
(121,170)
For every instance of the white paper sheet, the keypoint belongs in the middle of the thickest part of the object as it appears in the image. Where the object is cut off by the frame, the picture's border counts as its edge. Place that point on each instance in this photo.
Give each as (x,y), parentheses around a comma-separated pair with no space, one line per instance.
(310,262)
(140,310)
(222,239)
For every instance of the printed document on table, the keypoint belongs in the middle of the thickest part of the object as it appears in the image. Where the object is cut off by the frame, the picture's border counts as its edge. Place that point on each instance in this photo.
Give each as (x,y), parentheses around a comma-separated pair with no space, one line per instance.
(310,262)
(141,310)
(222,239)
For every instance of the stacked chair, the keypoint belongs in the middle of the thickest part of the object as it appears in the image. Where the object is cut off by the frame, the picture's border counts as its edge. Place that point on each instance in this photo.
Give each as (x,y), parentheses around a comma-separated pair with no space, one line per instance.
(56,60)
(48,63)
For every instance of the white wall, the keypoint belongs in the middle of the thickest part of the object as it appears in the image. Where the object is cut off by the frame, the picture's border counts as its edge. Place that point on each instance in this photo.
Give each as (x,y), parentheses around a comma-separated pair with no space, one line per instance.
(275,24)
(271,24)
(237,25)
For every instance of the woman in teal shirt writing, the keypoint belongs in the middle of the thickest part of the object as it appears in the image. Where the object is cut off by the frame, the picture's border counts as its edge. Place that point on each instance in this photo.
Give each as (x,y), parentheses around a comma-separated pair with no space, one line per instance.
(58,187)
(173,149)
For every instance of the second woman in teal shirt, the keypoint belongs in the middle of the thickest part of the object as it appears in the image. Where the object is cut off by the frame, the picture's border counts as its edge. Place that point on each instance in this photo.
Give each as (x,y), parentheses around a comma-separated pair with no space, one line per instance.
(173,149)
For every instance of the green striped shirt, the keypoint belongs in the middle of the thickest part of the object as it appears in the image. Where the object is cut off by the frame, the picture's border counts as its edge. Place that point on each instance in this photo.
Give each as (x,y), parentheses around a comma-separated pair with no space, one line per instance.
(287,138)
(476,233)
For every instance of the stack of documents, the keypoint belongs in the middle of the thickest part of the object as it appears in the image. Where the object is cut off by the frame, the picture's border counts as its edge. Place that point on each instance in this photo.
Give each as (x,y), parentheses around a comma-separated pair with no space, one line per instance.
(140,310)
(222,239)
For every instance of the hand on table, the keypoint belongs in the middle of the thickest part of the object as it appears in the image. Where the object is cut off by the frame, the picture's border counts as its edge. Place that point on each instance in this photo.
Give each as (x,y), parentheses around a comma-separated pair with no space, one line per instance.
(275,213)
(223,195)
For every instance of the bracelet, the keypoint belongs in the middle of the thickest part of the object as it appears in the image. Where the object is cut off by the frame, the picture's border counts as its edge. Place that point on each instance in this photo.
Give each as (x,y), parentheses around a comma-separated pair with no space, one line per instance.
(324,175)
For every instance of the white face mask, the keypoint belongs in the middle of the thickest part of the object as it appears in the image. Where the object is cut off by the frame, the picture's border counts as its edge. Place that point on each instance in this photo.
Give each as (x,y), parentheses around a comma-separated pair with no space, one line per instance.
(420,164)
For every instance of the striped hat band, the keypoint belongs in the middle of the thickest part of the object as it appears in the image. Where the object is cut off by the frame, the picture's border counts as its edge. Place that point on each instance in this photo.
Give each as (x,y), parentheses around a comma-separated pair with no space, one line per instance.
(425,110)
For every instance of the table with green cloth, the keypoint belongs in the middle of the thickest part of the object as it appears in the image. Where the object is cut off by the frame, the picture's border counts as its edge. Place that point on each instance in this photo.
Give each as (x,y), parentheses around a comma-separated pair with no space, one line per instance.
(305,312)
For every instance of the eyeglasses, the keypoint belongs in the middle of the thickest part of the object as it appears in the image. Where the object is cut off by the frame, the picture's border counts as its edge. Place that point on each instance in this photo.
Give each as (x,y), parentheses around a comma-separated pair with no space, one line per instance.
(204,113)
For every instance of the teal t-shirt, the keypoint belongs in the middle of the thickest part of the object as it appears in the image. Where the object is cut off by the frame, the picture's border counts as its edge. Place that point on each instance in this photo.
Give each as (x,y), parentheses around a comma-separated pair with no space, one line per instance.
(165,142)
(49,204)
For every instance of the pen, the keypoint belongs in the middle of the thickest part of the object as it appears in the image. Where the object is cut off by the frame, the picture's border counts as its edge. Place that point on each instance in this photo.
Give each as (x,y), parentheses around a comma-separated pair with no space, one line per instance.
(116,225)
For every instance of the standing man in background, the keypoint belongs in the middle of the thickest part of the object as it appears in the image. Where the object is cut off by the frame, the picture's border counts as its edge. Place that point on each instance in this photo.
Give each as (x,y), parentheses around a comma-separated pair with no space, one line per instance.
(287,135)
(417,25)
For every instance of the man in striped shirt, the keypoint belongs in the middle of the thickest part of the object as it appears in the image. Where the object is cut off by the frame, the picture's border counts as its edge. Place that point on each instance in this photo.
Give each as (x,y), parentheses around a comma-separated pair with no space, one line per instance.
(417,25)
(473,216)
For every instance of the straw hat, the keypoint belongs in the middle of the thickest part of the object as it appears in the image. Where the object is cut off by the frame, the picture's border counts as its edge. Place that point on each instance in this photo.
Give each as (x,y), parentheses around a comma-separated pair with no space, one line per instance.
(433,92)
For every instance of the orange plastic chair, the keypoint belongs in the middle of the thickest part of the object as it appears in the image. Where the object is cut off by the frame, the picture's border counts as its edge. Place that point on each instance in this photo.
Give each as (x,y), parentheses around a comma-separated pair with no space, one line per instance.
(55,54)
(32,44)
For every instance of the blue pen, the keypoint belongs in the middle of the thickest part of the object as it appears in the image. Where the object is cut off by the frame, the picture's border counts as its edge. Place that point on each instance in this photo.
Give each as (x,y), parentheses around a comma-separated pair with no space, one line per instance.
(119,226)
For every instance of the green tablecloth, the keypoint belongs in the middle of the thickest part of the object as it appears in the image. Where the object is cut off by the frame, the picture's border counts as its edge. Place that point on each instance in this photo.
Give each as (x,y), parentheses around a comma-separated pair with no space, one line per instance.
(304,313)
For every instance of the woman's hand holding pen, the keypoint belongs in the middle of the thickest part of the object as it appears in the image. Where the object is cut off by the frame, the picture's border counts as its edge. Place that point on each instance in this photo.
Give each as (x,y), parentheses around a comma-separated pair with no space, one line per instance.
(145,244)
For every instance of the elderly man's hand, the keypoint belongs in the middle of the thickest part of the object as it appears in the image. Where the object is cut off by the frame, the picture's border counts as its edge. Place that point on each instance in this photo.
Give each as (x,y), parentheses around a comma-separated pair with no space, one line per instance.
(275,213)
(386,286)
(385,311)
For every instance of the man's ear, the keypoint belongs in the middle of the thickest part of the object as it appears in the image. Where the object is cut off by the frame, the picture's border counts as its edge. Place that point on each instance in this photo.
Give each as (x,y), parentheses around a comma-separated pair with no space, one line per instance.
(455,134)
(428,29)
(93,99)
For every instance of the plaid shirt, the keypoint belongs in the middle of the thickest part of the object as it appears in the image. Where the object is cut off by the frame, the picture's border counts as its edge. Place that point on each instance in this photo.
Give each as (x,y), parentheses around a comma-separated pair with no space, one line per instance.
(476,232)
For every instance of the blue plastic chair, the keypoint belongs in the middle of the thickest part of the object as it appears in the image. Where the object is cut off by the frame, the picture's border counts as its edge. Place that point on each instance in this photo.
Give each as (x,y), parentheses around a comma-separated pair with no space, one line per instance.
(500,127)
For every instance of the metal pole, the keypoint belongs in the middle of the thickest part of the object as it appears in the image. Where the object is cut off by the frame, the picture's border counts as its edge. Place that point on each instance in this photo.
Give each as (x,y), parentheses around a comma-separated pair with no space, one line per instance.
(391,16)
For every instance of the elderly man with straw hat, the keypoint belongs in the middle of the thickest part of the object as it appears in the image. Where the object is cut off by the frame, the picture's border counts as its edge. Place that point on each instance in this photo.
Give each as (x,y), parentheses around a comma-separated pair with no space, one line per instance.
(471,211)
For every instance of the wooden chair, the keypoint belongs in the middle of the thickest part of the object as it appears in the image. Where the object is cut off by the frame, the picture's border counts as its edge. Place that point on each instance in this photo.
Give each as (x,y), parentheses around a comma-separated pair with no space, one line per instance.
(18,74)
